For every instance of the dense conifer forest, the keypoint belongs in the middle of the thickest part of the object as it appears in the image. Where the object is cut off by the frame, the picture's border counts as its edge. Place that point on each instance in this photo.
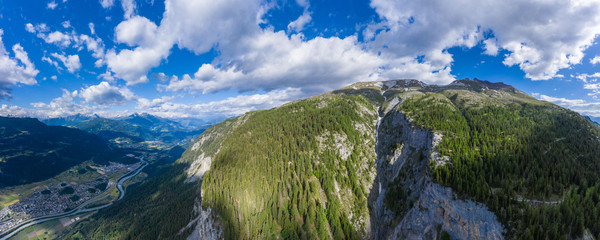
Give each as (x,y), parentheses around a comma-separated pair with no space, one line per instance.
(525,155)
(272,179)
(305,170)
(161,206)
(32,151)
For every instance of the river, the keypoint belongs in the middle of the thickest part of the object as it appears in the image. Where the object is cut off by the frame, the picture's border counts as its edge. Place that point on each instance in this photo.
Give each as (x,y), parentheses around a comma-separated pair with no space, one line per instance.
(81,208)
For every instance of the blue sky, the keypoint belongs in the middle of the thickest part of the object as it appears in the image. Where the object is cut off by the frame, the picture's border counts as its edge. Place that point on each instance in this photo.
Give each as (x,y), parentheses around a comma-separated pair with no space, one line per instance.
(214,59)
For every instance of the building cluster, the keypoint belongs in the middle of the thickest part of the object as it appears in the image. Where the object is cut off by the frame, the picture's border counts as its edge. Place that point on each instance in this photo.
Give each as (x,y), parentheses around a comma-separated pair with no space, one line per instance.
(59,198)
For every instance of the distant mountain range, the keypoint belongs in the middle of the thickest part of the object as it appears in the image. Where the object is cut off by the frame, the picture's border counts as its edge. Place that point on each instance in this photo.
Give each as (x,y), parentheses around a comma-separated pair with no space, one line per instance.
(152,122)
(32,151)
(138,128)
(68,120)
(594,120)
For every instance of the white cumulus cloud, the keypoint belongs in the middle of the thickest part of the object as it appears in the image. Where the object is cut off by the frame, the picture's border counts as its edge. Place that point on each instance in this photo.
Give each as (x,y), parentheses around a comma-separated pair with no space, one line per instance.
(107,3)
(61,106)
(273,60)
(298,24)
(58,38)
(51,62)
(95,45)
(252,58)
(232,106)
(129,8)
(195,25)
(51,5)
(136,31)
(71,62)
(590,82)
(15,70)
(542,37)
(29,27)
(586,78)
(595,60)
(92,28)
(106,94)
(39,28)
(578,105)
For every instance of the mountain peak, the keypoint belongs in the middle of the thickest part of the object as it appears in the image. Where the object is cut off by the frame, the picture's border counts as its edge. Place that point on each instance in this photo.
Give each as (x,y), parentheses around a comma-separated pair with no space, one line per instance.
(143,114)
(475,84)
(402,83)
(479,85)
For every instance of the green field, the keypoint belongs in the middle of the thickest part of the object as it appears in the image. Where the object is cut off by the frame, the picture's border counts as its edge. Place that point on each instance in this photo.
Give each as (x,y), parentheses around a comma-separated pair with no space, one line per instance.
(51,229)
(11,195)
(8,199)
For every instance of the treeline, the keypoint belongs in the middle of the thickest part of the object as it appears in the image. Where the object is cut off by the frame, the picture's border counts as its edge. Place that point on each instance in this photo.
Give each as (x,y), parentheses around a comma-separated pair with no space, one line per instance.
(271,179)
(503,152)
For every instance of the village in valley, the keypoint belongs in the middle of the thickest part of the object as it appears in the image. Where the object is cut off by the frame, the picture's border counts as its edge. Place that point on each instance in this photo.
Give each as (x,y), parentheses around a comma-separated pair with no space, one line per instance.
(61,197)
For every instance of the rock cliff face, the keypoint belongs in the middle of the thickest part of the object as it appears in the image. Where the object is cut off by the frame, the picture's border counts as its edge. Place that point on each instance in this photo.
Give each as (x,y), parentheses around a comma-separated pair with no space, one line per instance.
(419,208)
(200,154)
(403,201)
(437,210)
(206,225)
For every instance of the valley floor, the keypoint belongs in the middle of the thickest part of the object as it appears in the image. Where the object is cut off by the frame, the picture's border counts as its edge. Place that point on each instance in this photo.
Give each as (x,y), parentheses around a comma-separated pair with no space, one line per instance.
(68,199)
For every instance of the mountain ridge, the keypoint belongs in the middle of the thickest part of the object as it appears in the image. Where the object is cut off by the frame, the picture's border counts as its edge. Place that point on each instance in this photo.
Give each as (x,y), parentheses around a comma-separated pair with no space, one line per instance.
(397,159)
(28,144)
(132,130)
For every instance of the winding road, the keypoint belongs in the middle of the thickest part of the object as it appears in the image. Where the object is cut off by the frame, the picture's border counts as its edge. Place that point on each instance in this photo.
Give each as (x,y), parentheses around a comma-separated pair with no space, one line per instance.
(80,209)
(538,202)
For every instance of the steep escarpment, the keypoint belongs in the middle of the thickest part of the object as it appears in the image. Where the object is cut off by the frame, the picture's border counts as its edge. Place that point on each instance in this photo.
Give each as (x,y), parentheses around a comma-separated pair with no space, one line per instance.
(497,146)
(324,167)
(390,160)
(199,156)
(400,159)
(408,204)
(204,149)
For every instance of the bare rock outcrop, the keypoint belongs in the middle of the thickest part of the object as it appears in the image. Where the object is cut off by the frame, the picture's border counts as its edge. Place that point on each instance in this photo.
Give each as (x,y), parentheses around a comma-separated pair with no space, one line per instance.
(424,209)
(438,210)
(206,226)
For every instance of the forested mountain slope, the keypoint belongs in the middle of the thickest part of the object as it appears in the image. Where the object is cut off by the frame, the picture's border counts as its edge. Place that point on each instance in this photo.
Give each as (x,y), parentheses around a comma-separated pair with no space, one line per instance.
(32,151)
(307,169)
(397,160)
